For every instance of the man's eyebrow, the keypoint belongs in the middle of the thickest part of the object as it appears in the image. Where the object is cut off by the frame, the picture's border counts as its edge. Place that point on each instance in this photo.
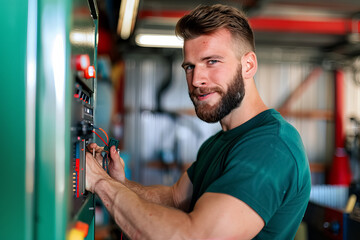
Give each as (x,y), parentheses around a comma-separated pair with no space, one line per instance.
(212,57)
(203,59)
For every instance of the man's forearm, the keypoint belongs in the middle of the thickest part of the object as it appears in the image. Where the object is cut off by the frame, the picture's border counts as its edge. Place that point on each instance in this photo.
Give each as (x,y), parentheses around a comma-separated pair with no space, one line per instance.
(139,218)
(159,194)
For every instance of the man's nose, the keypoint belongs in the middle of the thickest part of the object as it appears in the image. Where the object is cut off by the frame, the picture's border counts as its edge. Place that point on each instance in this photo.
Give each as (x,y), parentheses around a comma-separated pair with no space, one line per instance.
(199,78)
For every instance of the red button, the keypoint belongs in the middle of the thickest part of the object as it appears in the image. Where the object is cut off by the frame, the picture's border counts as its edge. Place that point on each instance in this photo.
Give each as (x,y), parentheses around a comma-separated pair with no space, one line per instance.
(82,62)
(89,72)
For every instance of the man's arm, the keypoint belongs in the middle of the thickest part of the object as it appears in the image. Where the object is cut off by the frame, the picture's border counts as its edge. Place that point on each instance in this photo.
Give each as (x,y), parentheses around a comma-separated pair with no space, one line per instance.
(177,196)
(215,215)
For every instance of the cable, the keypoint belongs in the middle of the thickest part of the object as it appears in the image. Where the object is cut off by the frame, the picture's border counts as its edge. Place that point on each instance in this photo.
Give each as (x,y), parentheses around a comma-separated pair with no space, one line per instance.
(107,137)
(105,163)
(100,137)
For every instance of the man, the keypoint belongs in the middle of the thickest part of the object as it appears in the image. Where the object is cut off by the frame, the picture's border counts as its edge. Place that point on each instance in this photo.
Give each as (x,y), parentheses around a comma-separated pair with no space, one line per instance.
(250,181)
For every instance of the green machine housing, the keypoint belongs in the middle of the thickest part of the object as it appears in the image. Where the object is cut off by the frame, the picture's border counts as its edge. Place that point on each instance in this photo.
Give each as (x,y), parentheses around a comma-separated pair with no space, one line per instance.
(48,96)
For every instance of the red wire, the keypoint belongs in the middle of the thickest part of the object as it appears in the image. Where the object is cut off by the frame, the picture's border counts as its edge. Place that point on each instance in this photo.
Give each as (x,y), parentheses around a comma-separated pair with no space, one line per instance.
(107,137)
(100,137)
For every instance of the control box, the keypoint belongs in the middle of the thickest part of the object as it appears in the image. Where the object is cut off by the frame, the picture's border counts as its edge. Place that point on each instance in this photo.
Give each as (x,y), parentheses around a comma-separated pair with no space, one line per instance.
(83,37)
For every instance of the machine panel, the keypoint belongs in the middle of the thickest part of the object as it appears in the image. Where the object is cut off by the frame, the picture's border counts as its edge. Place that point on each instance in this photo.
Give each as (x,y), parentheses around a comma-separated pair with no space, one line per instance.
(83,38)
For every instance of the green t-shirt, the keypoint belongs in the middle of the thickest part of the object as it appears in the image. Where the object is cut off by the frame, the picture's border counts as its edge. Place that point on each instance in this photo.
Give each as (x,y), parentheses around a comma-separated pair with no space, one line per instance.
(263,163)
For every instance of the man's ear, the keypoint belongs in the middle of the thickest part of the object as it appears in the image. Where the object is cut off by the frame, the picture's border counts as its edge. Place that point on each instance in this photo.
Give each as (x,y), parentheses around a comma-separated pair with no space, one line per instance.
(249,65)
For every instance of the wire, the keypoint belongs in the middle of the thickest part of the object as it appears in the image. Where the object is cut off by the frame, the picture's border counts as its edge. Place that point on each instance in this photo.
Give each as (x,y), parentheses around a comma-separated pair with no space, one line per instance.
(100,137)
(107,137)
(105,163)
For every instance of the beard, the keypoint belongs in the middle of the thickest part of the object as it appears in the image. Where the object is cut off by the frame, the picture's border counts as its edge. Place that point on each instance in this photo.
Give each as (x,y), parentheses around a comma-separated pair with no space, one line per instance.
(229,100)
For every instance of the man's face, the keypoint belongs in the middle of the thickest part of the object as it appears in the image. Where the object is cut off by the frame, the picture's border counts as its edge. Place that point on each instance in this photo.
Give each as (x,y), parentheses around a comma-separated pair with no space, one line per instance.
(213,74)
(229,100)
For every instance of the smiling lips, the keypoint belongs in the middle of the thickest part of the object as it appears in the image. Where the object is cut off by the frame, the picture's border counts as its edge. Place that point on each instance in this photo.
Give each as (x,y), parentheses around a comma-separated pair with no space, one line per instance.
(204,93)
(204,96)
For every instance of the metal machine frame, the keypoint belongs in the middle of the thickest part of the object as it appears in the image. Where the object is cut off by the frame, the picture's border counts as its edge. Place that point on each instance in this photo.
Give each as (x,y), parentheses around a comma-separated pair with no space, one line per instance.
(40,43)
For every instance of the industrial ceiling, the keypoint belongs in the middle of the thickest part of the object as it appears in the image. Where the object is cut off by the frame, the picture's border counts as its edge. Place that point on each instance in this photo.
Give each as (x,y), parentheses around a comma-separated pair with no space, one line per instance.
(326,28)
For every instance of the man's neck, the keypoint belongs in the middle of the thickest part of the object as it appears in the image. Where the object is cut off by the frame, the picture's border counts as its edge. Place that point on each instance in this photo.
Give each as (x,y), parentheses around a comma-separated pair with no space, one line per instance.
(251,106)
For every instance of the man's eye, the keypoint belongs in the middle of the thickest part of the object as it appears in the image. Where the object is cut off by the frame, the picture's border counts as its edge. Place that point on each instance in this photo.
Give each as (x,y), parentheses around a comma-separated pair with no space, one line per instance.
(188,68)
(211,62)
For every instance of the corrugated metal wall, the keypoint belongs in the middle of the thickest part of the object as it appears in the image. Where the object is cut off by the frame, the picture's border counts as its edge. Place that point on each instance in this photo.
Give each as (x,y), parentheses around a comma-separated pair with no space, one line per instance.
(277,81)
(151,135)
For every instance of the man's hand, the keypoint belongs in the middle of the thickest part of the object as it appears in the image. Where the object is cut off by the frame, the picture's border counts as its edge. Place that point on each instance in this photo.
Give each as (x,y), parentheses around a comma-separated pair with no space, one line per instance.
(116,163)
(93,147)
(116,166)
(94,172)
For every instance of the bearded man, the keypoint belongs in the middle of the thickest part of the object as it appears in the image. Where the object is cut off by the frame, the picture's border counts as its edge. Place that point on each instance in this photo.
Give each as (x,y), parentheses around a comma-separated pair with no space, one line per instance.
(251,180)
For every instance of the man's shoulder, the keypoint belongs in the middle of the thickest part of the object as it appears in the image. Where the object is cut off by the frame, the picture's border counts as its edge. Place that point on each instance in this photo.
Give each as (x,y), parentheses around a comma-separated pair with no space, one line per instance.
(275,129)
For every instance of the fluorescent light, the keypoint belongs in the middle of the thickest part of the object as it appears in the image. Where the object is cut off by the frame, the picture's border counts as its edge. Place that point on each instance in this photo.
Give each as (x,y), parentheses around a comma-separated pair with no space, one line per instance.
(127,16)
(82,38)
(158,40)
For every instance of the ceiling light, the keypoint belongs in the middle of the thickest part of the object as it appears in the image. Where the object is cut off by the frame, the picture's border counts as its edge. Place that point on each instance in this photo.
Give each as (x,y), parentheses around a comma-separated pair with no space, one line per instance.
(127,17)
(158,40)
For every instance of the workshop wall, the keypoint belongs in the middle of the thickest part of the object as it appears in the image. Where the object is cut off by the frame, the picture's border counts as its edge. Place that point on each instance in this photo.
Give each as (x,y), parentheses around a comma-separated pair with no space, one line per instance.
(163,135)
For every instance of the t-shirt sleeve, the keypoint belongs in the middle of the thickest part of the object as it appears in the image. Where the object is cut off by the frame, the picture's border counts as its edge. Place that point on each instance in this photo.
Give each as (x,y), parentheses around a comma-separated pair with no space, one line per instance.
(258,174)
(190,171)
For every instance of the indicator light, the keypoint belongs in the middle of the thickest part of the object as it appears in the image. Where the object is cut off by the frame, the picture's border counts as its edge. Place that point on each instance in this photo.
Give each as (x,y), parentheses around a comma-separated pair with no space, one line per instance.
(89,72)
(82,62)
(77,94)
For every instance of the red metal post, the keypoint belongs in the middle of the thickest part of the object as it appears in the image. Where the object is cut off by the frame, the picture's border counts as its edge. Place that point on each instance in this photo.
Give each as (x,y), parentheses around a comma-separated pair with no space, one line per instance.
(340,173)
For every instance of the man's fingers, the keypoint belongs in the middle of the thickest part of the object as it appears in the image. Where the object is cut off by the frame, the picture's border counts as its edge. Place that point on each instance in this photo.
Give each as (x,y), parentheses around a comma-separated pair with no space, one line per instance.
(115,156)
(93,172)
(92,146)
(113,153)
(89,157)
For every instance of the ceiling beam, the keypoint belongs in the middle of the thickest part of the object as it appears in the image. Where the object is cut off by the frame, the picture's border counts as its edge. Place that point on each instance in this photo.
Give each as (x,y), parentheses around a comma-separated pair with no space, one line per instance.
(318,25)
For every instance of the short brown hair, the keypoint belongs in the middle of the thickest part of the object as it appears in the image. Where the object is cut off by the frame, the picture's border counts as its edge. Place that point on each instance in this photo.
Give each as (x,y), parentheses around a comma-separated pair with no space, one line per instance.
(207,19)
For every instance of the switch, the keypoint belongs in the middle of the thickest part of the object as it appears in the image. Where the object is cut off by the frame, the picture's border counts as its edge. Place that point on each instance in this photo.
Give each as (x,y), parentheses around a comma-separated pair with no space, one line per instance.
(89,72)
(77,94)
(82,62)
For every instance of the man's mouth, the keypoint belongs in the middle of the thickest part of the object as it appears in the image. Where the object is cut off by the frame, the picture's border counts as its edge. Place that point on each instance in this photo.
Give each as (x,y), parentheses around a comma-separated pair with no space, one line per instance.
(202,94)
(202,97)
